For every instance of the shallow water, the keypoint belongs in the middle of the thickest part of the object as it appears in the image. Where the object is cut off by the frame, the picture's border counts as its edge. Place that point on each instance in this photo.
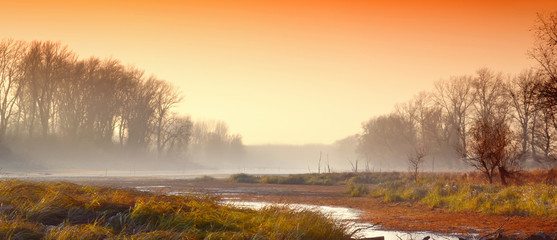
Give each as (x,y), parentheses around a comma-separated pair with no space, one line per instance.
(349,216)
(181,174)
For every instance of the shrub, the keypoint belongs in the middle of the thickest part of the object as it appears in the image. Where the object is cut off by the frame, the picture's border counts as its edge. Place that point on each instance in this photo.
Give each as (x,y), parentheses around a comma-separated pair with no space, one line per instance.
(243,178)
(271,179)
(204,178)
(357,189)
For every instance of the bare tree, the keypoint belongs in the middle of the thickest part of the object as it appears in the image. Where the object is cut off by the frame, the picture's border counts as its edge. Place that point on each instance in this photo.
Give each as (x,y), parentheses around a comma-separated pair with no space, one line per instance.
(386,140)
(544,135)
(319,164)
(166,97)
(415,161)
(354,165)
(490,96)
(11,77)
(522,90)
(492,149)
(71,101)
(142,114)
(46,65)
(175,136)
(545,53)
(545,48)
(211,141)
(455,96)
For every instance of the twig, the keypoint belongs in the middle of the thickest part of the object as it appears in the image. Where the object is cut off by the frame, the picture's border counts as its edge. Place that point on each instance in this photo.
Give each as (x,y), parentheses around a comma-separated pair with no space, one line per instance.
(496,231)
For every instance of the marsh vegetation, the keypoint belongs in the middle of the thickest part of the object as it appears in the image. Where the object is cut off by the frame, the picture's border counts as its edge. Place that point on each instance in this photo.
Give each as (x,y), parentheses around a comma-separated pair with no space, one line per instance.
(33,210)
(458,192)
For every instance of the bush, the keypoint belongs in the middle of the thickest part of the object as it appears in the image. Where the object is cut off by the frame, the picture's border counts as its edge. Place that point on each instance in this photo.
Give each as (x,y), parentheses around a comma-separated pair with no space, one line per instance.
(243,178)
(271,179)
(203,179)
(357,189)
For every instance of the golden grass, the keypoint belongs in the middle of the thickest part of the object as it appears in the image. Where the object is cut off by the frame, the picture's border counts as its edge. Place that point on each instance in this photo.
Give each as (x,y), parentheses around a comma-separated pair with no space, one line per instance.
(521,200)
(69,211)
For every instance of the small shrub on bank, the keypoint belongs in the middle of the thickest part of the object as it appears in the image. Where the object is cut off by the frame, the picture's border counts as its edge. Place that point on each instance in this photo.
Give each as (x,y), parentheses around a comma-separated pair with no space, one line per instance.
(357,189)
(300,179)
(271,179)
(204,178)
(243,178)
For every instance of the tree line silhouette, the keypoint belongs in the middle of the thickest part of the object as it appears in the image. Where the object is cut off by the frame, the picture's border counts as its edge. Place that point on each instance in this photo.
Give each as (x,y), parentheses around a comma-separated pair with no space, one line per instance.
(495,122)
(48,94)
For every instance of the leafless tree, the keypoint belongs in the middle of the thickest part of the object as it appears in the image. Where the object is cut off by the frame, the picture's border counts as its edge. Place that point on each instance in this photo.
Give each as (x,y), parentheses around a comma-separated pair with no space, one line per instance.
(386,140)
(48,95)
(175,136)
(354,165)
(142,114)
(166,97)
(490,96)
(11,77)
(522,90)
(545,53)
(71,101)
(46,65)
(415,161)
(211,141)
(544,136)
(492,149)
(455,96)
(545,48)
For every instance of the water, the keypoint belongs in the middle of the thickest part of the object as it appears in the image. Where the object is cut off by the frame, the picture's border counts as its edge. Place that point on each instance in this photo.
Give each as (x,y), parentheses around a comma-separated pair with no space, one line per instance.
(180,174)
(350,216)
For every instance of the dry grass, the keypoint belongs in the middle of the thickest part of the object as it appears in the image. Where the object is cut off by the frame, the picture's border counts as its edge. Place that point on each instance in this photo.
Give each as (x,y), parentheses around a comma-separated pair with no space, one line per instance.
(518,200)
(530,193)
(70,211)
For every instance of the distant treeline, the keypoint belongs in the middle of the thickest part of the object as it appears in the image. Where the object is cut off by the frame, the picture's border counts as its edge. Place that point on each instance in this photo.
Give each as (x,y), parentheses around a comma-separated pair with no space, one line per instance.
(48,94)
(493,121)
(440,122)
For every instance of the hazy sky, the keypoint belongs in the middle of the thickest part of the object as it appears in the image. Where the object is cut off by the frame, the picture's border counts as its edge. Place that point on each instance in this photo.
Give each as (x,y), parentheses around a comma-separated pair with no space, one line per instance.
(289,71)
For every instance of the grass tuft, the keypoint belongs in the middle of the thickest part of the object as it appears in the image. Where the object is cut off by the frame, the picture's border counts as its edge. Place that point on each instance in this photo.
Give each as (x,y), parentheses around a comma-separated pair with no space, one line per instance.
(243,178)
(525,200)
(70,211)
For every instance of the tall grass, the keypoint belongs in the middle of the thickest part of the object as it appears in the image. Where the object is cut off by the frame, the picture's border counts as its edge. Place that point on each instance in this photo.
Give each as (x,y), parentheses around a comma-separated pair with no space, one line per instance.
(319,179)
(525,200)
(69,211)
(534,192)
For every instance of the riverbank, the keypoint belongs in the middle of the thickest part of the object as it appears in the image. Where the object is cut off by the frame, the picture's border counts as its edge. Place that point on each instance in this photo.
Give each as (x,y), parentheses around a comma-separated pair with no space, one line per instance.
(61,210)
(400,216)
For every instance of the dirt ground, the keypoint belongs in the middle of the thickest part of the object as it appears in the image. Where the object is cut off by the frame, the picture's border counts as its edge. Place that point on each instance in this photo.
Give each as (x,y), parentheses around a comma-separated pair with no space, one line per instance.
(402,216)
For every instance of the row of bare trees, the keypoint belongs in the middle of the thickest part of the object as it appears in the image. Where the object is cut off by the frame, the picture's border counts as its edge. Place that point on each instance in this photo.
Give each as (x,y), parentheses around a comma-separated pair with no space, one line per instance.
(214,145)
(49,94)
(496,123)
(488,119)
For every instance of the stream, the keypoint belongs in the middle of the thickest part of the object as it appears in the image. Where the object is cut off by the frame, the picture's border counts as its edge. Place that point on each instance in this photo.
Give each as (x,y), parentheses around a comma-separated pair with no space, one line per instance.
(350,216)
(346,215)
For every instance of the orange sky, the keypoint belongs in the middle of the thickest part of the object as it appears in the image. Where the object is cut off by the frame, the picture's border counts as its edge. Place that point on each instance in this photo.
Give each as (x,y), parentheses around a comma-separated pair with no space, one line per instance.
(289,71)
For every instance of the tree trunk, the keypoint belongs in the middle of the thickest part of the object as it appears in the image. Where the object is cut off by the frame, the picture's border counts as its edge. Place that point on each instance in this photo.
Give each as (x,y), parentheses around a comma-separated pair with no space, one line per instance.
(532,139)
(503,174)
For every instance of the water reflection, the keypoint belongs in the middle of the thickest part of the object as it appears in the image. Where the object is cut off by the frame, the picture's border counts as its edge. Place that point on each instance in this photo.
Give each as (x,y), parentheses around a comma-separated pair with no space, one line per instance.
(351,217)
